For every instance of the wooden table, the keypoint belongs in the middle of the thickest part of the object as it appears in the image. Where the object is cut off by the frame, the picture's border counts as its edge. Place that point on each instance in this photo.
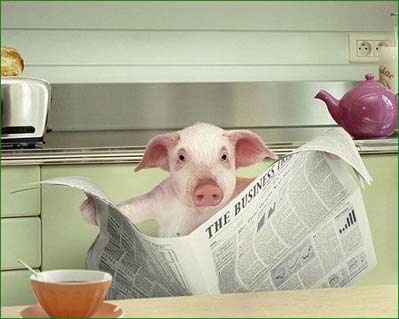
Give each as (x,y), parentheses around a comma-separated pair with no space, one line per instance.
(372,301)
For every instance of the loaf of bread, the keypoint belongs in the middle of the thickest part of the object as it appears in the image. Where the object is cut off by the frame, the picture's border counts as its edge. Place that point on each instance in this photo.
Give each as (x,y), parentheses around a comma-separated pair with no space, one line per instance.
(11,62)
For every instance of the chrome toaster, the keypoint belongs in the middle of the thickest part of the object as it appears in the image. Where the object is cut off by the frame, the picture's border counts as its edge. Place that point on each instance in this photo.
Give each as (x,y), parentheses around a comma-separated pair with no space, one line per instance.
(25,104)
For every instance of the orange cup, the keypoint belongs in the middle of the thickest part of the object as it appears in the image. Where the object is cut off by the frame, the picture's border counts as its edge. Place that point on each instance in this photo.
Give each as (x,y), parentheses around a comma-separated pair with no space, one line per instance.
(71,293)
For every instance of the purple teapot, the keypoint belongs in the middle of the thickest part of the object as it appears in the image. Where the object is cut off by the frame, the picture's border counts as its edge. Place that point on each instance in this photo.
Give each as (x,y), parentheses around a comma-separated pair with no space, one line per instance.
(369,110)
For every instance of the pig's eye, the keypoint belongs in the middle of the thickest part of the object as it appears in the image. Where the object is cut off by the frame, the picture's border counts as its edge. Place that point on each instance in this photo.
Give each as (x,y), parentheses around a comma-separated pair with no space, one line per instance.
(182,158)
(224,157)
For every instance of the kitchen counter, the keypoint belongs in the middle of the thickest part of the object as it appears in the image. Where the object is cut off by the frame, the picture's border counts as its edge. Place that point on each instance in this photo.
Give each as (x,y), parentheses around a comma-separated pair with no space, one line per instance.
(361,302)
(127,146)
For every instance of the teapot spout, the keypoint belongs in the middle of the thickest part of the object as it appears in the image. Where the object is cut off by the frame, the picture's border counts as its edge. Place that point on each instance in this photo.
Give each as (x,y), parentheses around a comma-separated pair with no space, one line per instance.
(332,104)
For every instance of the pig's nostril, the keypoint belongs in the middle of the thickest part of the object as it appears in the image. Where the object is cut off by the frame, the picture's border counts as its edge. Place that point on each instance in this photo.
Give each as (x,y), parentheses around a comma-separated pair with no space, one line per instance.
(215,196)
(200,197)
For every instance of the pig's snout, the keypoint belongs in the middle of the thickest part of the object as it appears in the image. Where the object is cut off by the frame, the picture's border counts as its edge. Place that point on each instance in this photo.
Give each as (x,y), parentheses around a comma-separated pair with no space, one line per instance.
(207,193)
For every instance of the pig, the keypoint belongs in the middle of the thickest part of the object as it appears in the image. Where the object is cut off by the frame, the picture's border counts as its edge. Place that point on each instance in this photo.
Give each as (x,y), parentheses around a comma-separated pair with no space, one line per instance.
(201,160)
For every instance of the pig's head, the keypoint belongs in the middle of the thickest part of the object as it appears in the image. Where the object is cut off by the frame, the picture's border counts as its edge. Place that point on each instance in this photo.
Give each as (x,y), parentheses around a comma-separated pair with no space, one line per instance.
(202,160)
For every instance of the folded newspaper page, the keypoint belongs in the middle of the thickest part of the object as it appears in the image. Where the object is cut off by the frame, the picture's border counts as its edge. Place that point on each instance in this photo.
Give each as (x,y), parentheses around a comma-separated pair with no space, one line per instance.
(300,224)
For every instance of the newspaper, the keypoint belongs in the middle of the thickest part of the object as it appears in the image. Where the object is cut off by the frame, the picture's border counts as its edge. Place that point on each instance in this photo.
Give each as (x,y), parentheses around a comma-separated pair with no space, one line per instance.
(300,224)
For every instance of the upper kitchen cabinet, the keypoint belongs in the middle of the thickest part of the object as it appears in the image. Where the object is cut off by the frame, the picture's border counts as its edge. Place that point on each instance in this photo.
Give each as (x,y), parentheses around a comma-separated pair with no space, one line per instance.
(26,203)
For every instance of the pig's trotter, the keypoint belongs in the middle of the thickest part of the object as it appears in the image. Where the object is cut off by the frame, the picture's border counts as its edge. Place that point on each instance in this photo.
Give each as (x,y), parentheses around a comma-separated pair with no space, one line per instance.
(88,210)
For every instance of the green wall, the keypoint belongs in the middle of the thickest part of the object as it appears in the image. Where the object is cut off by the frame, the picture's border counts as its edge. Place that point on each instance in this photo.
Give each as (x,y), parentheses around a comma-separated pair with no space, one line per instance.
(180,41)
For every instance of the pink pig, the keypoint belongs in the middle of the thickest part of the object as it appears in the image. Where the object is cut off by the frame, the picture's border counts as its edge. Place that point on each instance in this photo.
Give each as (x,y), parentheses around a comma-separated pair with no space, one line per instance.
(202,160)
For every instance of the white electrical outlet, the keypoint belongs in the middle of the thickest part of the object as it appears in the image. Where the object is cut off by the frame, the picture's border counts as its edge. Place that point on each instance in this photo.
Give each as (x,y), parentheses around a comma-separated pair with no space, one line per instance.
(364,46)
(380,43)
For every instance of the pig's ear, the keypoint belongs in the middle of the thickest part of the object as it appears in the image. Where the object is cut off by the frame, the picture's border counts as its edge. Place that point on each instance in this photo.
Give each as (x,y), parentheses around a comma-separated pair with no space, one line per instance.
(249,148)
(157,151)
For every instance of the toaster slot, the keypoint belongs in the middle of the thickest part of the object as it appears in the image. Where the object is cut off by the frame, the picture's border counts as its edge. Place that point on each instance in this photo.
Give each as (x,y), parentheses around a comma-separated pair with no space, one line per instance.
(17,129)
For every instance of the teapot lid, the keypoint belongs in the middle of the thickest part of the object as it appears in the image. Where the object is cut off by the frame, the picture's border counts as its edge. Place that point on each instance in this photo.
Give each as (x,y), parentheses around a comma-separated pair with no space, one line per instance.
(370,84)
(369,76)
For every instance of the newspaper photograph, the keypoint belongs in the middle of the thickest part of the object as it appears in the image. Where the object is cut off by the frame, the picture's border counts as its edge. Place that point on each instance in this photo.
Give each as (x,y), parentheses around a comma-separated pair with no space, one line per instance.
(300,224)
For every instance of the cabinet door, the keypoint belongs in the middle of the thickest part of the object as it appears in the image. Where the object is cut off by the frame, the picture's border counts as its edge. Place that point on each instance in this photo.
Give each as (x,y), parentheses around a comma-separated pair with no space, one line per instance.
(381,201)
(25,203)
(66,237)
(20,238)
(16,288)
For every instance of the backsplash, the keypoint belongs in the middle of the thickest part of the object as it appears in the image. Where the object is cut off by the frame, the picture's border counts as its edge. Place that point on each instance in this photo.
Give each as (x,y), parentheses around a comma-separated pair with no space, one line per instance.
(146,106)
(81,42)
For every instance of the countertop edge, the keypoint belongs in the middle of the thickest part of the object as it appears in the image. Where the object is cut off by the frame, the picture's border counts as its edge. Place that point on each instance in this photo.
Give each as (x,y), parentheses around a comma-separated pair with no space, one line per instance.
(367,301)
(134,154)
